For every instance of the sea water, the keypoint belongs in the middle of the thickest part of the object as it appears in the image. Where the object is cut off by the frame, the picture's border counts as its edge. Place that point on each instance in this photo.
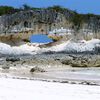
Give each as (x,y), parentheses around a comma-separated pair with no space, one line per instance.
(40,38)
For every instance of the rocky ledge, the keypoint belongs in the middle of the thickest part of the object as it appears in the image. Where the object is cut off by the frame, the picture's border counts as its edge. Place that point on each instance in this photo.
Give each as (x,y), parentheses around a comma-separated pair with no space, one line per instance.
(51,60)
(63,68)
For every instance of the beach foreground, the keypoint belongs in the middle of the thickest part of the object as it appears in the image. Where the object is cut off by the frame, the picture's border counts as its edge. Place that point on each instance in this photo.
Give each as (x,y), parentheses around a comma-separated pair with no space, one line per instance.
(15,89)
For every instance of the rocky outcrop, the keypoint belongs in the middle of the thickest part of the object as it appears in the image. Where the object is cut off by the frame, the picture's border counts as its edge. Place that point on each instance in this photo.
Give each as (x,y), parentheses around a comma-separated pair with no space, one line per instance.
(82,60)
(52,60)
(45,20)
(28,21)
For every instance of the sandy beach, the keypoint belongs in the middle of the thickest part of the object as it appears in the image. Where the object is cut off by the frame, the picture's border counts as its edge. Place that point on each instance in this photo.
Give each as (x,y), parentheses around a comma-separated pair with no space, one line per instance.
(16,89)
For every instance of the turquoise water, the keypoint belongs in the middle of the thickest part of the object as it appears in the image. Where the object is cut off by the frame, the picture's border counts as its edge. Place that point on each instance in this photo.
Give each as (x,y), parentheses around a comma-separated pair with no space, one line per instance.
(40,38)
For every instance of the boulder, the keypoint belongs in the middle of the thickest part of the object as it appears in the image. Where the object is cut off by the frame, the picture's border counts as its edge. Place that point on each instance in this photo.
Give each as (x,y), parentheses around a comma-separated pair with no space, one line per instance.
(12,59)
(37,69)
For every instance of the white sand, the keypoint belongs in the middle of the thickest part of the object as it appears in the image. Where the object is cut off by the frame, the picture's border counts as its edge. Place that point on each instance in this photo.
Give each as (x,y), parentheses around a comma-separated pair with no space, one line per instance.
(32,48)
(13,89)
(80,46)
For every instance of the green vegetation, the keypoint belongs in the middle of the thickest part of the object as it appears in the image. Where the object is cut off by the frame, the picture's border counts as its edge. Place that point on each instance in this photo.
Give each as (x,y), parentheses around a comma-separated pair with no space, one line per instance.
(77,20)
(8,10)
(57,8)
(27,7)
(11,10)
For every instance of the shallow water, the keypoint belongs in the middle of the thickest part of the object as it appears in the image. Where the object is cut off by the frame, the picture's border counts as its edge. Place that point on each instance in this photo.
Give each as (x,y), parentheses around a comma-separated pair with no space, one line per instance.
(40,38)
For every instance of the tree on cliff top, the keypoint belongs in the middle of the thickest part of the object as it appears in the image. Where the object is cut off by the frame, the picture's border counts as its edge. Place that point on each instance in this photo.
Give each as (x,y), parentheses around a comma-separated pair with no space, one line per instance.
(26,7)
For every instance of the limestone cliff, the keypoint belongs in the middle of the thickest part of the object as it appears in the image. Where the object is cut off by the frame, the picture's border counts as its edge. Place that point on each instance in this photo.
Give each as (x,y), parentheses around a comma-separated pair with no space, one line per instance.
(35,20)
(45,20)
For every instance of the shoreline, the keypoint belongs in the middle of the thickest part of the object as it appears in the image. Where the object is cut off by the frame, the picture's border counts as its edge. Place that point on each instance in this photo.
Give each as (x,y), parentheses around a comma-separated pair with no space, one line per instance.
(57,68)
(58,75)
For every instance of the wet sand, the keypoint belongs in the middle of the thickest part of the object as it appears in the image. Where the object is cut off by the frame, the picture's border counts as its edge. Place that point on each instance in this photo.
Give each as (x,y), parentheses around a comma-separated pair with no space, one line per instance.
(87,76)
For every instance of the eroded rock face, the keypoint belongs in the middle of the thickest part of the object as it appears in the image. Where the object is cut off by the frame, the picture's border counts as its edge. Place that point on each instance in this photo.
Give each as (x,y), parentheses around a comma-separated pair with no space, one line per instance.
(42,21)
(28,19)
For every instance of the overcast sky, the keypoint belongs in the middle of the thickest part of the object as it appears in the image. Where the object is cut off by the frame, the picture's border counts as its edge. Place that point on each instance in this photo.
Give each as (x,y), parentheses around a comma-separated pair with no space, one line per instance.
(81,6)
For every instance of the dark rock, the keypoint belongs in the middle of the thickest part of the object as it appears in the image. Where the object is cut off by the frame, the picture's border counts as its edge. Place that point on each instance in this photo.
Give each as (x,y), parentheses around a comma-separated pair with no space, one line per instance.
(78,65)
(12,59)
(5,67)
(37,69)
(66,62)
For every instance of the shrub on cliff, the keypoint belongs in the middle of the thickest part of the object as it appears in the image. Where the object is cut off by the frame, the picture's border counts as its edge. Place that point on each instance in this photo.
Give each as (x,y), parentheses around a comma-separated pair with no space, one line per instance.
(7,10)
(56,8)
(77,20)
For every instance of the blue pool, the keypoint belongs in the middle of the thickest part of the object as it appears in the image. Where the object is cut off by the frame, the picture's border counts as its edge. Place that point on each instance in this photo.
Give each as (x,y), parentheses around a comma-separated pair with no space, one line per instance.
(40,38)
